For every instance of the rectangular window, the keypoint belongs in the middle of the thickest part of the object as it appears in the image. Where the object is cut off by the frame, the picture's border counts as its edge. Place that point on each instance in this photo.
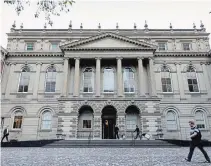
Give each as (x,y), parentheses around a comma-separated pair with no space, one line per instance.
(87,124)
(30,46)
(50,86)
(54,46)
(17,122)
(88,82)
(193,85)
(166,84)
(186,46)
(162,46)
(201,126)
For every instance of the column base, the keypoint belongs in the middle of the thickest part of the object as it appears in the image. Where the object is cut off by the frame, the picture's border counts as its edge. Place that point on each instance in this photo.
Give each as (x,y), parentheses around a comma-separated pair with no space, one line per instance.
(141,95)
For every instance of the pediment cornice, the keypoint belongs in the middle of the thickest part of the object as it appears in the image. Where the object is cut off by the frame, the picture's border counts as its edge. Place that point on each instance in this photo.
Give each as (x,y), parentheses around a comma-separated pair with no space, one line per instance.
(76,44)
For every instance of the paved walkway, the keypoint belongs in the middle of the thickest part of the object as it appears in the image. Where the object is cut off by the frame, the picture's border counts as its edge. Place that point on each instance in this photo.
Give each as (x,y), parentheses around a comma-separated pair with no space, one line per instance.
(100,157)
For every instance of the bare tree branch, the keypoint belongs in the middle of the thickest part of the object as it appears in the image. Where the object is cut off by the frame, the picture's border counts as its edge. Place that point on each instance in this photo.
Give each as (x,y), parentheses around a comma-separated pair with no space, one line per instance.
(48,7)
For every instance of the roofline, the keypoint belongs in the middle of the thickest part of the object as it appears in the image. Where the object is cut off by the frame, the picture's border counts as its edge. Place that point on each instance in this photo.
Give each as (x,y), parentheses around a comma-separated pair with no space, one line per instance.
(4,50)
(109,29)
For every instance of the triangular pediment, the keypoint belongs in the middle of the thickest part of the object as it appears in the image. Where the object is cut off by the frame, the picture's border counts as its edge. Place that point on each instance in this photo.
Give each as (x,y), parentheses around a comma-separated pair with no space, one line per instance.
(107,41)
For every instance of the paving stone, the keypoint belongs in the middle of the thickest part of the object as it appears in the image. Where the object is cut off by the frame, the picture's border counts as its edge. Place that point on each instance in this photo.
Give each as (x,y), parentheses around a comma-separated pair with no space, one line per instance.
(100,157)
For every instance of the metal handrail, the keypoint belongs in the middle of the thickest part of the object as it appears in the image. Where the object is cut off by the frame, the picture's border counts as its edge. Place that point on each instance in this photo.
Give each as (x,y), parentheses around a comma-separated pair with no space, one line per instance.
(89,138)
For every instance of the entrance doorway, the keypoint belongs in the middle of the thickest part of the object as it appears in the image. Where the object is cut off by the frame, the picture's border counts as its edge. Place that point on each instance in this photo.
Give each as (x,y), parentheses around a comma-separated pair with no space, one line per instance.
(108,122)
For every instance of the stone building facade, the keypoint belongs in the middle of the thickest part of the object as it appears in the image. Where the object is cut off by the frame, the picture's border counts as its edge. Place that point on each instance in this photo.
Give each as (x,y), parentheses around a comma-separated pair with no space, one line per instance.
(80,83)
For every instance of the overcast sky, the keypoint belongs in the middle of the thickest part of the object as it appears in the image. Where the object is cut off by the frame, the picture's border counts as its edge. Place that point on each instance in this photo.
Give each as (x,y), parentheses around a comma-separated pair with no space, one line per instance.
(158,14)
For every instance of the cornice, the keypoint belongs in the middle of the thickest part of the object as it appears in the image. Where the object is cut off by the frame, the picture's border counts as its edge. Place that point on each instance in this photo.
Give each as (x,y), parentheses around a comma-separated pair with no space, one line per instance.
(36,54)
(176,54)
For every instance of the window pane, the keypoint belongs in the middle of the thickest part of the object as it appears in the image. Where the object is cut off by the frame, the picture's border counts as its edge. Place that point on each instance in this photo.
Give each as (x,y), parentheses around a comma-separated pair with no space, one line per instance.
(86,123)
(191,88)
(50,79)
(129,85)
(195,88)
(24,80)
(17,122)
(189,81)
(194,81)
(30,46)
(88,80)
(108,80)
(164,88)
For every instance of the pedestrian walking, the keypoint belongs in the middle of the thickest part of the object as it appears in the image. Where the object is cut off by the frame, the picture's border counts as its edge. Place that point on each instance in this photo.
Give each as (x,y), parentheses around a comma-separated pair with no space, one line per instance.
(5,134)
(195,135)
(137,132)
(116,130)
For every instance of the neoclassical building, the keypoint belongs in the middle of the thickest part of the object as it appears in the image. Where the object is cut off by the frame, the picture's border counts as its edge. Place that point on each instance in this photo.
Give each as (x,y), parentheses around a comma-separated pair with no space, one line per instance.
(80,83)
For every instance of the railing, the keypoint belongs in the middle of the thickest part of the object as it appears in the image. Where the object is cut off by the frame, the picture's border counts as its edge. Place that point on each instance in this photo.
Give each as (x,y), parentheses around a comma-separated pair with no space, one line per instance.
(90,137)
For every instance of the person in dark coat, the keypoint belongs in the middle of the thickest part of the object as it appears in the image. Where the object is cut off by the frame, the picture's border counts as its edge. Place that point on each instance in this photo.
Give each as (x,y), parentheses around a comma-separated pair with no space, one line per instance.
(116,130)
(5,134)
(137,132)
(195,136)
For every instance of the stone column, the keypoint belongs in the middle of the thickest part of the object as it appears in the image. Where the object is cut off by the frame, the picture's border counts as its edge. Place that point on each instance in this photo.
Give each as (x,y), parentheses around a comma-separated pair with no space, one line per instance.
(6,77)
(77,77)
(98,76)
(97,126)
(206,79)
(37,80)
(66,73)
(152,77)
(180,81)
(141,76)
(10,80)
(119,77)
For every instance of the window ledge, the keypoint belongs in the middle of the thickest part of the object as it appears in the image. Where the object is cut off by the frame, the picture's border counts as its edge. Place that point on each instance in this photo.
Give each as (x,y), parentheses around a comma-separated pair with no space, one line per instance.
(173,130)
(86,130)
(15,130)
(168,93)
(45,130)
(204,129)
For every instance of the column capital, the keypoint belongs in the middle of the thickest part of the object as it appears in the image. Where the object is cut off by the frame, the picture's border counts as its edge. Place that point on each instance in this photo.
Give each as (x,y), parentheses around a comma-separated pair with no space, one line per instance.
(39,63)
(12,63)
(140,58)
(202,63)
(151,58)
(77,58)
(98,58)
(177,63)
(66,58)
(119,58)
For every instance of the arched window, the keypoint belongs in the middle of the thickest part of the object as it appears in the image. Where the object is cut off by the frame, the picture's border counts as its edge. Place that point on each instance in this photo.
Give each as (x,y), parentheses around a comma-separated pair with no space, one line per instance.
(50,85)
(192,80)
(200,119)
(18,119)
(132,117)
(129,77)
(88,80)
(46,120)
(108,80)
(24,80)
(166,79)
(171,120)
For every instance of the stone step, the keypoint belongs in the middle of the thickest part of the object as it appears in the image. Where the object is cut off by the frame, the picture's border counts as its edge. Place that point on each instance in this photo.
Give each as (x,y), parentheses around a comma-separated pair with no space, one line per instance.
(110,143)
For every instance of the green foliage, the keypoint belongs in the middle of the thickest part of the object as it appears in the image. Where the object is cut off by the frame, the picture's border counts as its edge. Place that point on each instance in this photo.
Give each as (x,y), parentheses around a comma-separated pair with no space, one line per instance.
(48,7)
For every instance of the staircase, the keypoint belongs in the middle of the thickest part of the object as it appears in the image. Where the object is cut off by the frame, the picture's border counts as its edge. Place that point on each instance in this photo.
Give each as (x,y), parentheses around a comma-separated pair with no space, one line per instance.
(109,144)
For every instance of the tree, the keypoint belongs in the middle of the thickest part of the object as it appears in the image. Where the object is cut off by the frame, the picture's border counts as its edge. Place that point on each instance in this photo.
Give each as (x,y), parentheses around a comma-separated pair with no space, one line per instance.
(48,7)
